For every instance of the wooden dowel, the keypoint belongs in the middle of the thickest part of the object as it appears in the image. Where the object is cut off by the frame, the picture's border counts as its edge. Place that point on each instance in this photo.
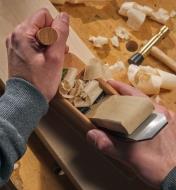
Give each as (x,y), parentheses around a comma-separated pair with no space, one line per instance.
(165,59)
(47,36)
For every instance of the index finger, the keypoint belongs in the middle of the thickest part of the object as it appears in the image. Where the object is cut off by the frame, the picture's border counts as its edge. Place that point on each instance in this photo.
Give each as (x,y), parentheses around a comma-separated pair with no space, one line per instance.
(125,89)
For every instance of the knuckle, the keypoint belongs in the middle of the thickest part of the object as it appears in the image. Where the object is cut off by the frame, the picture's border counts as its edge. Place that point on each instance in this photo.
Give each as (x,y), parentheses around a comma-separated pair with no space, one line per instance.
(44,10)
(63,29)
(54,59)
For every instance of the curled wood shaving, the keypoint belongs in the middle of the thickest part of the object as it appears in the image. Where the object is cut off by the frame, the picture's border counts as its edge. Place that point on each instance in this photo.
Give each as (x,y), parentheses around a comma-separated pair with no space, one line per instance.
(122,33)
(161,16)
(79,92)
(151,80)
(115,41)
(168,80)
(97,69)
(69,79)
(137,13)
(125,7)
(89,94)
(145,78)
(98,41)
(117,67)
(145,9)
(68,83)
(136,18)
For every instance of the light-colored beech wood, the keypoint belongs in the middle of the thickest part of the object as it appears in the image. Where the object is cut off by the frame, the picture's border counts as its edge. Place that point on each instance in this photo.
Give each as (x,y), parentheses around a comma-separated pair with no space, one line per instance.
(165,59)
(47,36)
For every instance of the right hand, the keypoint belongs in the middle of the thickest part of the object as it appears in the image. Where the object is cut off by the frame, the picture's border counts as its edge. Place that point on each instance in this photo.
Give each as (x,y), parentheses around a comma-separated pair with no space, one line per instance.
(151,159)
(26,58)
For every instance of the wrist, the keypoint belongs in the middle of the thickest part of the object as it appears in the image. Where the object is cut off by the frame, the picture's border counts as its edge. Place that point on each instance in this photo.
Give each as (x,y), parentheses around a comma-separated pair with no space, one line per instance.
(24,104)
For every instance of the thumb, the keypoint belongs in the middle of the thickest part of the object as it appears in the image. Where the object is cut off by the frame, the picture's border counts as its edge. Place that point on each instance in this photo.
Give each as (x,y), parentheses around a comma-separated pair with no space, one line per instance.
(61,25)
(103,142)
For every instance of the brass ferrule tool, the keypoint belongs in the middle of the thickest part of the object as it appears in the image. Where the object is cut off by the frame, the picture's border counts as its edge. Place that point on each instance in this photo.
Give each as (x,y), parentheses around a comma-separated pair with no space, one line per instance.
(138,58)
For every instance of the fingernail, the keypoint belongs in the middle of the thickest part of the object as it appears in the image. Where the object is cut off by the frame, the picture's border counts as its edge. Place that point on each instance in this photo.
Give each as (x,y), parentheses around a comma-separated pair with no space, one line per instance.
(64,17)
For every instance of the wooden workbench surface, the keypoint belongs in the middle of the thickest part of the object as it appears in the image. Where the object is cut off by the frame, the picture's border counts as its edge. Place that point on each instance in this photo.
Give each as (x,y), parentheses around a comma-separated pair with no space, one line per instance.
(103,19)
(36,167)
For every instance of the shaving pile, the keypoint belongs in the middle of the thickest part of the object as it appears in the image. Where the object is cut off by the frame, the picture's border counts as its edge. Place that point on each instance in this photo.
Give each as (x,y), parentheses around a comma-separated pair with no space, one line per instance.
(84,92)
(79,92)
(120,34)
(137,14)
(150,80)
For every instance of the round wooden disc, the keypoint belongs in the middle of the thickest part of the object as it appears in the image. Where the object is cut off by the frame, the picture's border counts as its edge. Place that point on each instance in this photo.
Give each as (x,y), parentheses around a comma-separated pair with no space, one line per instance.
(47,36)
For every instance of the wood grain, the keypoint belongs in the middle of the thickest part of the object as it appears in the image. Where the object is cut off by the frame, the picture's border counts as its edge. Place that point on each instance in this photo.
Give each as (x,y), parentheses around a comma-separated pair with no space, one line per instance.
(47,36)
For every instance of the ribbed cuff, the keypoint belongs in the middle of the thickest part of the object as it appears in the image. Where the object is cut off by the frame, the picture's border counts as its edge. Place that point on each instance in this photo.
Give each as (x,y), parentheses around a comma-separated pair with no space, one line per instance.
(170,181)
(22,105)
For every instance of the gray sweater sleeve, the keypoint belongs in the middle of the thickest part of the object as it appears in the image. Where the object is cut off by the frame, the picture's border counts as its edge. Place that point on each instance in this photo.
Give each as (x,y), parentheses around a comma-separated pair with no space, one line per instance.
(21,108)
(170,181)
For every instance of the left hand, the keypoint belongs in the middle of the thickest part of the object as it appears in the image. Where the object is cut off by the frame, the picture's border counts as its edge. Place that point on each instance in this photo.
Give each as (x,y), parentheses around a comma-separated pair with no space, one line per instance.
(151,159)
(28,60)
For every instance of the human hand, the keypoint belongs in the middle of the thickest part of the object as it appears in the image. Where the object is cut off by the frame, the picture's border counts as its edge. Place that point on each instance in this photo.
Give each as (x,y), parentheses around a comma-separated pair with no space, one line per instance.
(28,60)
(153,159)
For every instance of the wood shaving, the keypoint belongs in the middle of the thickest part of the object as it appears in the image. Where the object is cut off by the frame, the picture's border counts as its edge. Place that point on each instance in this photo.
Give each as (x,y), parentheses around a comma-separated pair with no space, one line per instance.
(79,92)
(68,83)
(150,80)
(117,67)
(125,7)
(78,88)
(161,16)
(99,41)
(145,79)
(136,18)
(115,41)
(122,33)
(89,94)
(97,69)
(145,9)
(168,80)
